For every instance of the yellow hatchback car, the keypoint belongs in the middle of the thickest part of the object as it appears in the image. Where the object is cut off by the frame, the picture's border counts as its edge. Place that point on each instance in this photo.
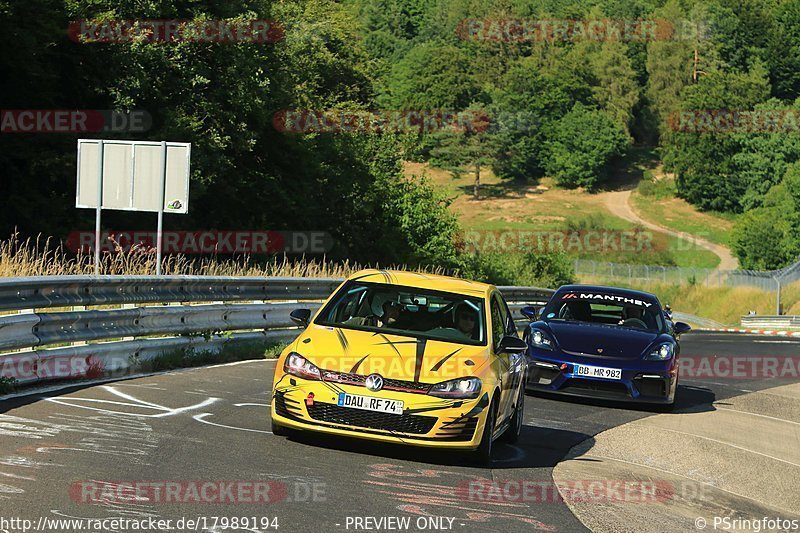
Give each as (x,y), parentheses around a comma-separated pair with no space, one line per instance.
(409,358)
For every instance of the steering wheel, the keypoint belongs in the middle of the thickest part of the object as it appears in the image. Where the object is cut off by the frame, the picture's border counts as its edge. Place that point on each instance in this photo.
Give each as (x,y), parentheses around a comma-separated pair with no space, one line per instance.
(635,323)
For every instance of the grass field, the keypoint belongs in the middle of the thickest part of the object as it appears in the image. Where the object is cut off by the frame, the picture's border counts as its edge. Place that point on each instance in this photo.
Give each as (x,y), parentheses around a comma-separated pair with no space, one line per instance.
(657,203)
(517,207)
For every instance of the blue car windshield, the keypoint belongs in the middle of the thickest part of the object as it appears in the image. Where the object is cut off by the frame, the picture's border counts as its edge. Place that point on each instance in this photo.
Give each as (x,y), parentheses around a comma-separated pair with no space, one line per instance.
(607,309)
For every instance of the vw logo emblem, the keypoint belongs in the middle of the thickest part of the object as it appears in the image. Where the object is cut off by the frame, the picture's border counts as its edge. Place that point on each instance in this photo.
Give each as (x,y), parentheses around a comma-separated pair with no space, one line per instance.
(374,382)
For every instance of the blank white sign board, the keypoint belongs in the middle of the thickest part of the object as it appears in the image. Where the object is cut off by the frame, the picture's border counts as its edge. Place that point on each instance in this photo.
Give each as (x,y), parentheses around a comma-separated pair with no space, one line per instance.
(132,175)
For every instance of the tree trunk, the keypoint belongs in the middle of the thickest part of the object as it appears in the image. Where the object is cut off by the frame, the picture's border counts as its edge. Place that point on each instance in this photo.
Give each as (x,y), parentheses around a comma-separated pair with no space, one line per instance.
(476,191)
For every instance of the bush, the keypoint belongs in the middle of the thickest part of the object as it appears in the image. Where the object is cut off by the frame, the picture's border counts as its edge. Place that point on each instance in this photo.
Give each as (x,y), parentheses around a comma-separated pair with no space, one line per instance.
(585,141)
(547,269)
(762,239)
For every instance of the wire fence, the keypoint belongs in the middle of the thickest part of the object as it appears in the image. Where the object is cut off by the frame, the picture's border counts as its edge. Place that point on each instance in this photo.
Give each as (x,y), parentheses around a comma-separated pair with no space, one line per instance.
(771,280)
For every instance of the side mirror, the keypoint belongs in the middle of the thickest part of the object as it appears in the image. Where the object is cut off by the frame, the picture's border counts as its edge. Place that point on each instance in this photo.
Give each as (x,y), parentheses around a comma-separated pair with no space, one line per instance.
(509,344)
(681,327)
(301,317)
(530,312)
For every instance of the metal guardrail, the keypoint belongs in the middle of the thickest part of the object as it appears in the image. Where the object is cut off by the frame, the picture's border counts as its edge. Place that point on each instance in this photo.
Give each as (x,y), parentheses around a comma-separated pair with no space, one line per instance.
(770,322)
(69,291)
(206,326)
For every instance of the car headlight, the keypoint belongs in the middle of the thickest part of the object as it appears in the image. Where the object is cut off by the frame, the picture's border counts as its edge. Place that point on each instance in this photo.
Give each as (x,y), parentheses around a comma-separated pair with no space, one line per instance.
(462,388)
(662,352)
(540,339)
(299,366)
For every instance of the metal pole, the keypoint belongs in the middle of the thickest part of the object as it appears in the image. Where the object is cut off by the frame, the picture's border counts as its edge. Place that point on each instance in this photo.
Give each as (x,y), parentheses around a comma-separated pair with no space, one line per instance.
(778,304)
(98,211)
(159,232)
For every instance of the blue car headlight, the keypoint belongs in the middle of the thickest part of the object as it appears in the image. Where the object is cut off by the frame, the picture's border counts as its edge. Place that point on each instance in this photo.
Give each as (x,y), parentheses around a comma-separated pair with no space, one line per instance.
(662,352)
(540,339)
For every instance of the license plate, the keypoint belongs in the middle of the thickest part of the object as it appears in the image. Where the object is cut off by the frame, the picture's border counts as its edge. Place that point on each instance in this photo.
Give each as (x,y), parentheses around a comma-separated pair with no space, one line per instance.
(597,372)
(370,403)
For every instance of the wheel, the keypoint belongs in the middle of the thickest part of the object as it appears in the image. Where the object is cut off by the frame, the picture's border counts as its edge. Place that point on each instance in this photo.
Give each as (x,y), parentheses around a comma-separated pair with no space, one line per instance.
(279,430)
(483,455)
(511,435)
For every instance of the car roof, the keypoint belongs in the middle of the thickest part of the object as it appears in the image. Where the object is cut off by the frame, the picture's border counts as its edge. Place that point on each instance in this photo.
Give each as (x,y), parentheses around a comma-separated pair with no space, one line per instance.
(630,293)
(423,280)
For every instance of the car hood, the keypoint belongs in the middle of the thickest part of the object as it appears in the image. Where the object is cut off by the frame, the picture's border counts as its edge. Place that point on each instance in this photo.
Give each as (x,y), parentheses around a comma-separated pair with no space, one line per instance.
(601,340)
(391,356)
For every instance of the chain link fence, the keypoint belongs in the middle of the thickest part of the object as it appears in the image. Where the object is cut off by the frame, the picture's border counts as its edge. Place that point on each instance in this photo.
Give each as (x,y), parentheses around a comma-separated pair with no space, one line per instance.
(770,280)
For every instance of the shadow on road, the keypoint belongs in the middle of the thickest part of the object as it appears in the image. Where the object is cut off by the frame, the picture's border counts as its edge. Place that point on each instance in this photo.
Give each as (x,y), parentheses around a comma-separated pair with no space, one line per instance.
(536,448)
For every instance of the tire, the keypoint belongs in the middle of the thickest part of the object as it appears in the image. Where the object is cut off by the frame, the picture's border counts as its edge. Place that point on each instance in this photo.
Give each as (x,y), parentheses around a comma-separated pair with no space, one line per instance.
(483,455)
(511,435)
(279,430)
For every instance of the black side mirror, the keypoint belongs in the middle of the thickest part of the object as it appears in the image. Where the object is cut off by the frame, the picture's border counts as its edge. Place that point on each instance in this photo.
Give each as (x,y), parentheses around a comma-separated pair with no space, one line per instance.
(530,312)
(301,317)
(509,344)
(681,327)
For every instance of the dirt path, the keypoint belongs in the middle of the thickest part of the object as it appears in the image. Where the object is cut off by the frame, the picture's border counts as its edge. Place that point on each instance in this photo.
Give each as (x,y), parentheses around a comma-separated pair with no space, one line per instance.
(617,203)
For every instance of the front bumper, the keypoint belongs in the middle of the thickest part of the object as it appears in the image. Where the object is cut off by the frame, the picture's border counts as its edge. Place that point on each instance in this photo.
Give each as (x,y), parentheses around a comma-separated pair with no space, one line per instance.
(642,381)
(426,421)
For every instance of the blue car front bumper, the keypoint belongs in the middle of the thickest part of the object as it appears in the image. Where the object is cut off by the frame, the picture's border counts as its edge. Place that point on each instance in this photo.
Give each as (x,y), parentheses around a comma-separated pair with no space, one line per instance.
(641,381)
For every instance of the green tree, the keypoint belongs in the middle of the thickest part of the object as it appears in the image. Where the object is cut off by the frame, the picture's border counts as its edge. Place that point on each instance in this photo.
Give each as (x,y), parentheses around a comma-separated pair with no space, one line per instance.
(433,75)
(617,90)
(703,158)
(583,145)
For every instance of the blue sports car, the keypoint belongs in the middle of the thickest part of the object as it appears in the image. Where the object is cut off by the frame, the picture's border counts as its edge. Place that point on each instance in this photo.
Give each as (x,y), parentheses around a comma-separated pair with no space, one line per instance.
(603,342)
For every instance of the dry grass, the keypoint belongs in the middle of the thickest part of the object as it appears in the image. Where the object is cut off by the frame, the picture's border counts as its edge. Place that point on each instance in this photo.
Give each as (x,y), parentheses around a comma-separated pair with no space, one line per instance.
(42,257)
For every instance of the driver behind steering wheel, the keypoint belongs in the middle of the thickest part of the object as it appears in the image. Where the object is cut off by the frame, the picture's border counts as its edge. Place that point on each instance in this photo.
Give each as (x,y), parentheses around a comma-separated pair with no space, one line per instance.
(633,316)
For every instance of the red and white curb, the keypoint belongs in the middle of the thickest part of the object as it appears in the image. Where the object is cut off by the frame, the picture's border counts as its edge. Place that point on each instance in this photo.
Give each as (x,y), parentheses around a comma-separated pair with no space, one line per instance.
(750,331)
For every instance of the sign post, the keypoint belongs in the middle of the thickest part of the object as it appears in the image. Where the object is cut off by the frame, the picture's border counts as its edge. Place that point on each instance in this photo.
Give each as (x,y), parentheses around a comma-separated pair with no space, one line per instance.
(99,210)
(133,176)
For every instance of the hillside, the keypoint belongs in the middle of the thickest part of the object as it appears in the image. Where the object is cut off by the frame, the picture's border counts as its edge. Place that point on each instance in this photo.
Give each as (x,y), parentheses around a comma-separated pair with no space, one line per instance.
(512,213)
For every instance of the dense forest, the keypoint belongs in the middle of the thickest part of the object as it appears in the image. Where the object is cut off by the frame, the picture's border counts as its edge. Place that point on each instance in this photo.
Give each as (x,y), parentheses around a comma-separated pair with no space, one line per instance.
(714,86)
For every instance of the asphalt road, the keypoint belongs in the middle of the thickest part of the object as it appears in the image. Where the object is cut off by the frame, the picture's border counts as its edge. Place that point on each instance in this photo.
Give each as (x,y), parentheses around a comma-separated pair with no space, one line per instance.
(61,455)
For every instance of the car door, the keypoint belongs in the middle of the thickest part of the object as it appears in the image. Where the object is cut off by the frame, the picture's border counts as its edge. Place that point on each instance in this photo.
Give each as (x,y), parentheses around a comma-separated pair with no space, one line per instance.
(502,361)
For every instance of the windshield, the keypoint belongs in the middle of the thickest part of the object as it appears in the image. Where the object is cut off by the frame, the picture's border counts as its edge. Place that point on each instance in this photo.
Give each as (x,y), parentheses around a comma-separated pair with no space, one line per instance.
(606,309)
(407,311)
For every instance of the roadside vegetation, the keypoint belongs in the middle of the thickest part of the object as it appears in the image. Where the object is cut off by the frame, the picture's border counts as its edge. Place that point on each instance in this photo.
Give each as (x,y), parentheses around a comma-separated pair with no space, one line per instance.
(229,353)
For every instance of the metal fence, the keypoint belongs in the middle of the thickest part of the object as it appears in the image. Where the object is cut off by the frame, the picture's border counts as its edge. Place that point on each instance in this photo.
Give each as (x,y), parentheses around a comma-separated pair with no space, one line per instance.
(135,318)
(710,277)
